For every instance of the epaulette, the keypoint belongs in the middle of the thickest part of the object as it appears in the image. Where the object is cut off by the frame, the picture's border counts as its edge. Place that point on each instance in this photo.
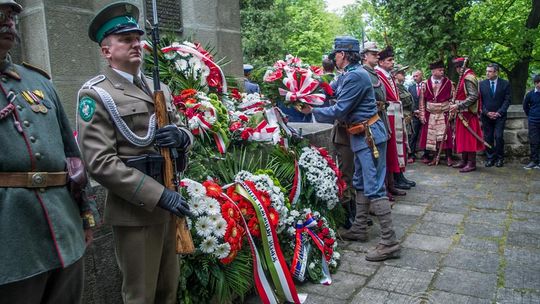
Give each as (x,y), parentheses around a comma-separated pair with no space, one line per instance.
(35,68)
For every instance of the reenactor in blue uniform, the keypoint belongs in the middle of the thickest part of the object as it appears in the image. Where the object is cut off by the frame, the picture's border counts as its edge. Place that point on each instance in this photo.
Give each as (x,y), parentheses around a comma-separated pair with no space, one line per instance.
(249,86)
(356,107)
(117,135)
(45,217)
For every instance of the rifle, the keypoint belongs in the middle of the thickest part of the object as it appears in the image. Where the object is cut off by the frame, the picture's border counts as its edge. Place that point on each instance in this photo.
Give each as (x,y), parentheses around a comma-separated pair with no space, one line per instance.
(184,242)
(450,116)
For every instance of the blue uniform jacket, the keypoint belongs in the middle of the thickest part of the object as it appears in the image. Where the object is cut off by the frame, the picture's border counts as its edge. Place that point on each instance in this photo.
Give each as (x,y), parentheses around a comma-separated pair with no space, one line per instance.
(355,103)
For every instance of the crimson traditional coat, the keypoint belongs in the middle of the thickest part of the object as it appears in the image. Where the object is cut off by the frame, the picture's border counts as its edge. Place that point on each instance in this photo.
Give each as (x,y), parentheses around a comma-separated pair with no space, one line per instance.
(443,95)
(469,104)
(397,144)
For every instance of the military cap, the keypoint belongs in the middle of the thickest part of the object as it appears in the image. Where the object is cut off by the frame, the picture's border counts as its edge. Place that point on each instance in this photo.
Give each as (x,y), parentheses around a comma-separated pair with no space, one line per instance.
(386,53)
(439,64)
(400,68)
(116,18)
(248,68)
(14,5)
(344,44)
(370,46)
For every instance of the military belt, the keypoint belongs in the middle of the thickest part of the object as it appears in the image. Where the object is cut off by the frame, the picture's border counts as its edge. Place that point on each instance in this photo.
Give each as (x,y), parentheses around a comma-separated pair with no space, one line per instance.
(32,179)
(360,127)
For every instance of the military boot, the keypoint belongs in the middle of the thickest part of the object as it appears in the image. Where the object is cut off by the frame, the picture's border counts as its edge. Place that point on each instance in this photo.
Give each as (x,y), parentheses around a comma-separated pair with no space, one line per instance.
(471,163)
(463,162)
(388,247)
(358,231)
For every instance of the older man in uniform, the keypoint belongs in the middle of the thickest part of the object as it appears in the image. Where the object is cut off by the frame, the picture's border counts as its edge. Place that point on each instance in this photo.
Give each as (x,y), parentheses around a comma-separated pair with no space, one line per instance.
(437,130)
(118,139)
(370,59)
(467,122)
(43,225)
(396,158)
(356,107)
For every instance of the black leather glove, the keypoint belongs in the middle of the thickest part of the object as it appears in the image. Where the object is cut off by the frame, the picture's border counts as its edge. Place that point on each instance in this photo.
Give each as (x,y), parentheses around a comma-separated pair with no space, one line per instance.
(174,202)
(171,137)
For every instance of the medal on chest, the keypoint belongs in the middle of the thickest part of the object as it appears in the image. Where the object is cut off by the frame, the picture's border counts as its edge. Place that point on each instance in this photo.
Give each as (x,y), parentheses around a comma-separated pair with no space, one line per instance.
(36,101)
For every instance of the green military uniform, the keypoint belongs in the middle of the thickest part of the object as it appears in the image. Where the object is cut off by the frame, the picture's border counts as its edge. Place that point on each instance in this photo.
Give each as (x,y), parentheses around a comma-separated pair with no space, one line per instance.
(115,123)
(380,96)
(407,102)
(40,227)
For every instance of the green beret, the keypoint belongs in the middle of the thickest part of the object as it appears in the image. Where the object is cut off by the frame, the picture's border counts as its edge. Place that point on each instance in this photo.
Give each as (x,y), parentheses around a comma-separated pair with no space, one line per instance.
(116,18)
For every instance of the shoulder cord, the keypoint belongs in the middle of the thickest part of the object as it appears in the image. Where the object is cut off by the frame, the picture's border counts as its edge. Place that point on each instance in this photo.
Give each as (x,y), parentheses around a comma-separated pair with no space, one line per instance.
(121,125)
(9,109)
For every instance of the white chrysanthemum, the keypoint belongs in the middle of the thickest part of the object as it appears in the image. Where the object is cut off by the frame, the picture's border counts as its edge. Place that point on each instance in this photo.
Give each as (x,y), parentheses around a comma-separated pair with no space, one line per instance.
(333,264)
(336,255)
(311,265)
(181,65)
(295,213)
(196,190)
(204,226)
(193,123)
(212,206)
(197,206)
(169,55)
(209,244)
(189,223)
(222,250)
(220,227)
(291,231)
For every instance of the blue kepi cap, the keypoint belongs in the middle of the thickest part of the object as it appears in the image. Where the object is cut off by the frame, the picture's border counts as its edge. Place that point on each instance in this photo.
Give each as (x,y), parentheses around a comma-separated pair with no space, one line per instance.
(347,44)
(116,18)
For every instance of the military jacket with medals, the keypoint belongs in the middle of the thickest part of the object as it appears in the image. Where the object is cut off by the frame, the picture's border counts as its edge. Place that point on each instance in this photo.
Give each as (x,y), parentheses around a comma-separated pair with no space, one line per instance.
(132,196)
(40,228)
(355,103)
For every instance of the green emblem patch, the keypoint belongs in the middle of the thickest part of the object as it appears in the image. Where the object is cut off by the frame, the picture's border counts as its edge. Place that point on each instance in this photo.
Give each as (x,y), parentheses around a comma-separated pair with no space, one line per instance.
(87,108)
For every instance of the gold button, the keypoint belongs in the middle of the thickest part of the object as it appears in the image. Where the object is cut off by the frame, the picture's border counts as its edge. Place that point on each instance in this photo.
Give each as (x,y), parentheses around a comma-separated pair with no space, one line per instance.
(38,156)
(26,123)
(32,139)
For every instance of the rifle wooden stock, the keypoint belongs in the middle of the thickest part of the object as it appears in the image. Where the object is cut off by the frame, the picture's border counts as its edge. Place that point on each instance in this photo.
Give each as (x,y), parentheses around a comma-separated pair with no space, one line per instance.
(184,242)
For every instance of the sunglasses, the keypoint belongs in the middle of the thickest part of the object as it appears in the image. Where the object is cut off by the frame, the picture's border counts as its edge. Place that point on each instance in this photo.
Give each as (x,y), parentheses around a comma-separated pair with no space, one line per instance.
(11,15)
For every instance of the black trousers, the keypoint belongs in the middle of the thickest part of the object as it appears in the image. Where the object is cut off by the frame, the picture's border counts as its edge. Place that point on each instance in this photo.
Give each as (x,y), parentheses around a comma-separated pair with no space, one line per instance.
(534,140)
(413,138)
(494,135)
(57,286)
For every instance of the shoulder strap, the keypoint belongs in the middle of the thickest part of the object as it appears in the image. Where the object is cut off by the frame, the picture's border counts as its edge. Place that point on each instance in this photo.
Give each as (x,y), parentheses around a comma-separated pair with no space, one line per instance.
(36,69)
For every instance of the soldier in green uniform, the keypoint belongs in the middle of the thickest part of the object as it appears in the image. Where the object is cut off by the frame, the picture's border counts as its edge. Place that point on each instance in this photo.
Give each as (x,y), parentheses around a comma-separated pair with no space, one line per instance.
(370,58)
(43,228)
(406,100)
(118,139)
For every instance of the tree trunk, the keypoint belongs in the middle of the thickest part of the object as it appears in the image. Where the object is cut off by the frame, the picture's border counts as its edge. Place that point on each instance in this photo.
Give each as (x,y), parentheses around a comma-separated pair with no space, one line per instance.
(518,80)
(519,74)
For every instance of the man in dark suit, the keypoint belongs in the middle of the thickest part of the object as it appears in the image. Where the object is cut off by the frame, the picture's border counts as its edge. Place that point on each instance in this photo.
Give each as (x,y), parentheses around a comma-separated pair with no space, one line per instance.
(416,123)
(495,93)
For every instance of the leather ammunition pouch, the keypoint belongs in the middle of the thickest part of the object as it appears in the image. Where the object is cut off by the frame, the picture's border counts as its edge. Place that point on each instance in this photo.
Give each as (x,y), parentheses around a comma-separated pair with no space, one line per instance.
(152,164)
(360,127)
(149,164)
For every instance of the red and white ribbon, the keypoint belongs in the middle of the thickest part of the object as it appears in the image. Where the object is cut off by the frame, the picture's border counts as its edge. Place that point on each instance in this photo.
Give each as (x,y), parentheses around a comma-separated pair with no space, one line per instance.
(302,91)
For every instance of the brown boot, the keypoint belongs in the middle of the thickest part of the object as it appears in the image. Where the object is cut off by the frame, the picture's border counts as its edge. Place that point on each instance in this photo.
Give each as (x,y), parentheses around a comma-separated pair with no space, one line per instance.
(449,161)
(471,163)
(358,231)
(384,252)
(463,162)
(390,187)
(388,246)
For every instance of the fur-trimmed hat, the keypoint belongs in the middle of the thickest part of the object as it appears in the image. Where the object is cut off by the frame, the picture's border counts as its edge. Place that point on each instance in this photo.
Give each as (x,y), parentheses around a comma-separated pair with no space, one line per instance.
(436,65)
(387,52)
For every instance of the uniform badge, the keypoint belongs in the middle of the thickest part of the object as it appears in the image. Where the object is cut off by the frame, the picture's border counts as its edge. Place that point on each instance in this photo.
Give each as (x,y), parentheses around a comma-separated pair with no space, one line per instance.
(87,107)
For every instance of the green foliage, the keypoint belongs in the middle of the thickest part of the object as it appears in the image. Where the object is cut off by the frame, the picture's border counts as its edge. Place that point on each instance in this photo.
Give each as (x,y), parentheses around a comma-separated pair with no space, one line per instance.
(204,279)
(272,29)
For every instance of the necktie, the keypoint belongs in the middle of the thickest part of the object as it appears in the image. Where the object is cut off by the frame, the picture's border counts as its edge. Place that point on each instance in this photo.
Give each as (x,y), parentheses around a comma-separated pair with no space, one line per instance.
(493,88)
(137,81)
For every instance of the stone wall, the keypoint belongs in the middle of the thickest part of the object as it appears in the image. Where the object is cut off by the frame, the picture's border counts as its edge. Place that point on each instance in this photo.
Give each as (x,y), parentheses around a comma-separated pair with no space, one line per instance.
(54,36)
(516,140)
